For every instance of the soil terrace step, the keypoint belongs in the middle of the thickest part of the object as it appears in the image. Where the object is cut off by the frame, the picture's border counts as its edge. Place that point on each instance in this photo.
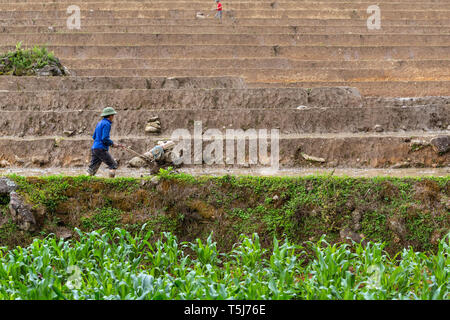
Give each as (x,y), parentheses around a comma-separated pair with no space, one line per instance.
(239,1)
(153,99)
(226,23)
(238,14)
(228,5)
(338,150)
(225,29)
(103,83)
(339,95)
(197,99)
(138,39)
(262,74)
(430,117)
(152,76)
(249,63)
(346,53)
(381,88)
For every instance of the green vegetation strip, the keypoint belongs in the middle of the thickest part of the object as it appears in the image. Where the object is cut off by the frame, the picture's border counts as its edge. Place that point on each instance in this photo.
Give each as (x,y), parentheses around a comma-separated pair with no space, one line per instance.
(401,212)
(26,62)
(119,265)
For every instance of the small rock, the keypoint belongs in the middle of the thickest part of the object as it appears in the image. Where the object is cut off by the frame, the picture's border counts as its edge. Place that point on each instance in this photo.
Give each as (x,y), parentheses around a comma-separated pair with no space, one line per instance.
(66,71)
(69,133)
(4,164)
(363,129)
(151,129)
(419,142)
(275,198)
(153,119)
(7,186)
(21,213)
(396,225)
(137,162)
(154,180)
(378,128)
(64,234)
(200,15)
(45,71)
(347,233)
(40,160)
(311,158)
(154,126)
(441,144)
(302,107)
(356,216)
(401,165)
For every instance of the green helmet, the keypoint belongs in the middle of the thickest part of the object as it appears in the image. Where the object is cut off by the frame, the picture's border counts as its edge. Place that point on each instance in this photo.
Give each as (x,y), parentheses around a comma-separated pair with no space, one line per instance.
(108,112)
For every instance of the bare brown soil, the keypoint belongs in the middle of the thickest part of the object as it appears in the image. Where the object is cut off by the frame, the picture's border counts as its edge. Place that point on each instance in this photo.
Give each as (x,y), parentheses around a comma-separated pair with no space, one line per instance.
(354,97)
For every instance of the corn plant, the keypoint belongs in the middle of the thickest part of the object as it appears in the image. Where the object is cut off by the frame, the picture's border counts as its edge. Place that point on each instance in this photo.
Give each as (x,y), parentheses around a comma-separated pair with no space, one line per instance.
(116,265)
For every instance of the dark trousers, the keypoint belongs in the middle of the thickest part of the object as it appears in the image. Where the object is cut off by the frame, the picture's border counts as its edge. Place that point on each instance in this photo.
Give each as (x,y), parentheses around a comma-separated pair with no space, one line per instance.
(97,157)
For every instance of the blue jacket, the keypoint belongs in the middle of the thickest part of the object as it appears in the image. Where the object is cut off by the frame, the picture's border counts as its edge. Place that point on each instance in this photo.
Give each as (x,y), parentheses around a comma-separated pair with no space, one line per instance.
(101,135)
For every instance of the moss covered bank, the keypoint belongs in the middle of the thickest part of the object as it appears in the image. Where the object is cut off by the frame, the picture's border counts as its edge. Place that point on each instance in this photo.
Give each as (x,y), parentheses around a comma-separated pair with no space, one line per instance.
(399,211)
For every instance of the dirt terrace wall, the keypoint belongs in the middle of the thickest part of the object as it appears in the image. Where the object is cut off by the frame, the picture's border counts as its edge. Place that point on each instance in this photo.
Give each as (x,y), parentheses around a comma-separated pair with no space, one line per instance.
(12,83)
(153,99)
(320,52)
(399,211)
(307,120)
(341,150)
(235,39)
(317,22)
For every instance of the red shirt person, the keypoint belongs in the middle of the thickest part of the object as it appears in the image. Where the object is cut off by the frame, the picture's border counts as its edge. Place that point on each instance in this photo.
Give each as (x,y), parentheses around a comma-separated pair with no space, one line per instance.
(219,11)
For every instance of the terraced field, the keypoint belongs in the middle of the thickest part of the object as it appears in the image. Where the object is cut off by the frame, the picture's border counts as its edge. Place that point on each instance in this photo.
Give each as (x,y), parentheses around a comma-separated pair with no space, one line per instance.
(254,70)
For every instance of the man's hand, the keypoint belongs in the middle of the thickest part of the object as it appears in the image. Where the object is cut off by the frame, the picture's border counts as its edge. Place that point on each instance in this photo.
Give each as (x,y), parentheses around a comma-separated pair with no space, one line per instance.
(118,145)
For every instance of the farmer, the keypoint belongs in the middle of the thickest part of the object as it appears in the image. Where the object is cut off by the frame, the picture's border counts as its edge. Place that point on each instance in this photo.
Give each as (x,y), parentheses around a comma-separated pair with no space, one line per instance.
(102,142)
(219,11)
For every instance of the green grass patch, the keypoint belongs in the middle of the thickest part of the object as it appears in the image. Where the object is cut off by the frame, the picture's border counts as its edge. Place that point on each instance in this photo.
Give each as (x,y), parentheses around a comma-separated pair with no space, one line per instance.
(400,211)
(24,62)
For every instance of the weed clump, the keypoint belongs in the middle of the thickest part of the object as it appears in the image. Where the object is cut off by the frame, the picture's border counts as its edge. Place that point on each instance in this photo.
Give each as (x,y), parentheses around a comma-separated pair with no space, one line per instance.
(29,62)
